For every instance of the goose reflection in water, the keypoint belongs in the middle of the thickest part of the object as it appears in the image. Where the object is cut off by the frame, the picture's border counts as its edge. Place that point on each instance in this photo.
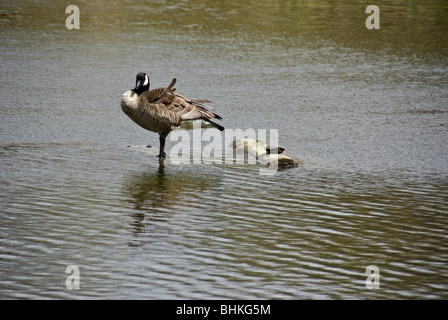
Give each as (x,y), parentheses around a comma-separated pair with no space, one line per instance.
(156,194)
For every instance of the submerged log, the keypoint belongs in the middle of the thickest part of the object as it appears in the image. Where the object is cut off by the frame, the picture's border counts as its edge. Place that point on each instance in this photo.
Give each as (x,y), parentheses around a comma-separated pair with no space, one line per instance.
(264,154)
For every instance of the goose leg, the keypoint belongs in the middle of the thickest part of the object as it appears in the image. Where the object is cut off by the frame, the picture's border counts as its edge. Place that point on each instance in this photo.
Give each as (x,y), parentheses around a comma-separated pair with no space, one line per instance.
(162,153)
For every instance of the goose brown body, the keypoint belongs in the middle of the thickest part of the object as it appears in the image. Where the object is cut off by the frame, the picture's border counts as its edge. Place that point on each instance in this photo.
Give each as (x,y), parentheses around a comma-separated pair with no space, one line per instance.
(162,110)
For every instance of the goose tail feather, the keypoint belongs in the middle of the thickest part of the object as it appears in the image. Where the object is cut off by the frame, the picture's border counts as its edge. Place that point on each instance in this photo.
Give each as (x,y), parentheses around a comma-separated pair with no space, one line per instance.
(217,126)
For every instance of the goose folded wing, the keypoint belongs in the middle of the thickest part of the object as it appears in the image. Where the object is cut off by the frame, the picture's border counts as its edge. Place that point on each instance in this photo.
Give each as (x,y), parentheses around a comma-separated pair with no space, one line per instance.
(161,95)
(191,112)
(200,103)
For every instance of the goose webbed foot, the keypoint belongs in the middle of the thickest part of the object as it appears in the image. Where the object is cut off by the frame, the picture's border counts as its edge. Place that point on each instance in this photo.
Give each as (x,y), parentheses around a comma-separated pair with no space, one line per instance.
(161,156)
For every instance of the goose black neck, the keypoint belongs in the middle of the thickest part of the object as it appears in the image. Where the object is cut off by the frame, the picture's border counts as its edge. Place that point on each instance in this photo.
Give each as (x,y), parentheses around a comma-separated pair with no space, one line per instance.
(142,83)
(140,89)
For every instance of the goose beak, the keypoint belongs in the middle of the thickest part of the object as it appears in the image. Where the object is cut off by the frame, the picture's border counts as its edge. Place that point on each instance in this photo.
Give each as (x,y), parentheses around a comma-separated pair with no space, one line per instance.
(138,85)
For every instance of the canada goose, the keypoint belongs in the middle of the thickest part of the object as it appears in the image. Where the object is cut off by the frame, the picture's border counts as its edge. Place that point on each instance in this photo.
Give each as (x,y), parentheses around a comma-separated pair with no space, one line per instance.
(161,110)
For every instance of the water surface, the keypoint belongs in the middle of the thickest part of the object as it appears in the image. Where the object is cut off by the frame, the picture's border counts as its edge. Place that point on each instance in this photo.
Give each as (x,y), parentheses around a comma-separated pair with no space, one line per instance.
(365,111)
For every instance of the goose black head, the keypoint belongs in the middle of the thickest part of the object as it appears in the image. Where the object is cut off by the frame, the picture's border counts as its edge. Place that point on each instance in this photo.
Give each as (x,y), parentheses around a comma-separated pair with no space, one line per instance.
(141,83)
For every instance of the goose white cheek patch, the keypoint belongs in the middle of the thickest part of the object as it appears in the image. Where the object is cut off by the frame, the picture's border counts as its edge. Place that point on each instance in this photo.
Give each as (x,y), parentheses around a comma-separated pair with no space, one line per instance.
(146,80)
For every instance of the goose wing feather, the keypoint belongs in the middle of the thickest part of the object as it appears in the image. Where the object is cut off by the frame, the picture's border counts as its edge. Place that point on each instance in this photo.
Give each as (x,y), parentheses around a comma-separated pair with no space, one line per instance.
(171,108)
(161,95)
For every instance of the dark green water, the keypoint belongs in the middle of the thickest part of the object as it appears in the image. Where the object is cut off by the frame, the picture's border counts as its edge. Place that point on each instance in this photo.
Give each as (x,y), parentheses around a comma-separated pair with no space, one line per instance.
(366,111)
